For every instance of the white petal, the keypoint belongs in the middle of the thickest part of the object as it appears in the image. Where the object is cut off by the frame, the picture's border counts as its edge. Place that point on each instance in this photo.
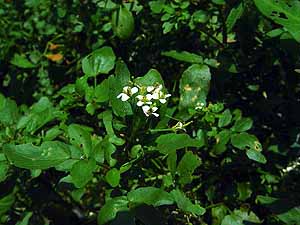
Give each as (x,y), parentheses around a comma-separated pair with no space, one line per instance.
(124,97)
(150,88)
(149,103)
(162,100)
(146,109)
(140,103)
(154,109)
(134,90)
(149,97)
(180,125)
(168,95)
(120,95)
(155,95)
(155,114)
(159,87)
(140,97)
(126,88)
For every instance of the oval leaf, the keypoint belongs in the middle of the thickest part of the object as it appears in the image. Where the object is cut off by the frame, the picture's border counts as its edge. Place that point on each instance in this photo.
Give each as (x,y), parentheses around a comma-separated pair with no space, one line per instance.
(28,156)
(194,86)
(150,196)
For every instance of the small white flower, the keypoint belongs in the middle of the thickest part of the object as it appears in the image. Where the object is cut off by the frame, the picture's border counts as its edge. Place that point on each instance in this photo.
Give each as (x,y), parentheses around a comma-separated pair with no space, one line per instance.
(155,95)
(180,125)
(199,106)
(159,95)
(149,97)
(140,97)
(162,98)
(144,99)
(127,92)
(150,110)
(160,87)
(134,90)
(140,103)
(146,110)
(124,97)
(150,88)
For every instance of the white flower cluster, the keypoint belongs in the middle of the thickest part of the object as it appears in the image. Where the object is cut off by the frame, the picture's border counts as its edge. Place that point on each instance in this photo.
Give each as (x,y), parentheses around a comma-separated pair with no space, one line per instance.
(199,106)
(148,97)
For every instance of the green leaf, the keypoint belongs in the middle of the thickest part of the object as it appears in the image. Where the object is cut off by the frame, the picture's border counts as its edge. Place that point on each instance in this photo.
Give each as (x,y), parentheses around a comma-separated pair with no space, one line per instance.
(156,6)
(218,213)
(28,156)
(107,120)
(116,84)
(3,170)
(244,140)
(256,156)
(184,56)
(151,78)
(77,194)
(39,115)
(167,143)
(222,139)
(25,219)
(167,27)
(250,143)
(238,216)
(90,108)
(200,16)
(109,211)
(242,124)
(225,118)
(6,203)
(285,13)
(113,177)
(150,196)
(247,215)
(234,15)
(232,220)
(82,172)
(9,112)
(100,61)
(265,200)
(108,148)
(244,190)
(291,217)
(136,151)
(122,23)
(194,86)
(52,133)
(35,173)
(22,62)
(172,162)
(101,91)
(219,2)
(187,166)
(185,204)
(66,165)
(81,138)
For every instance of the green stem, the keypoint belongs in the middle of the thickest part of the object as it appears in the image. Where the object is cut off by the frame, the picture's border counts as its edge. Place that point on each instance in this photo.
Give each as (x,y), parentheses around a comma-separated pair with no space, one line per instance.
(161,130)
(214,205)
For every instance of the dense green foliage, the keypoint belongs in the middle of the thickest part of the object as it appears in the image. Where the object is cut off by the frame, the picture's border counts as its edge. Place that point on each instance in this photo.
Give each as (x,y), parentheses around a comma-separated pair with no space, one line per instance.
(149,112)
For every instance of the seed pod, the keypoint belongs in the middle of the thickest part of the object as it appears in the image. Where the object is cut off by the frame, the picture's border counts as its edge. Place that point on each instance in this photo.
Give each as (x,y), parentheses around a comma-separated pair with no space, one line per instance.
(122,23)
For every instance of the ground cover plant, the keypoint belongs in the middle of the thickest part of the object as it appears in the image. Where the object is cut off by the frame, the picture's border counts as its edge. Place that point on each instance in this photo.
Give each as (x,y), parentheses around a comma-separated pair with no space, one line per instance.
(162,112)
